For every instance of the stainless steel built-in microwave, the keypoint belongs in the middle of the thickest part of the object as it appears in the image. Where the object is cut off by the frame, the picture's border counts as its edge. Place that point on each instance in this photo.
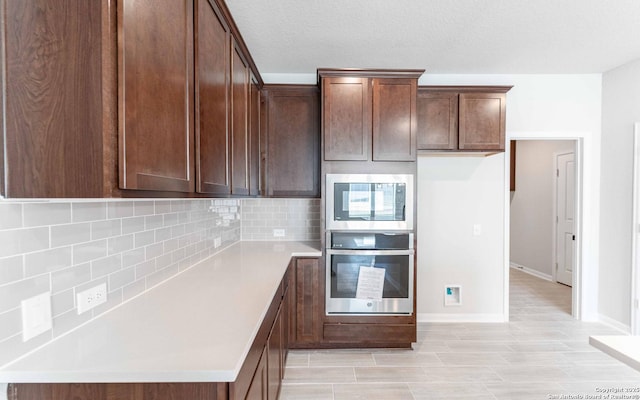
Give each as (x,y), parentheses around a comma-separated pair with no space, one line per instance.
(369,202)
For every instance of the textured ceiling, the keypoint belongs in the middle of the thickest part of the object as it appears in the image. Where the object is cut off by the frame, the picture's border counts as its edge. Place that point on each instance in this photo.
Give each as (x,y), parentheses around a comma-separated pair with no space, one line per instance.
(441,36)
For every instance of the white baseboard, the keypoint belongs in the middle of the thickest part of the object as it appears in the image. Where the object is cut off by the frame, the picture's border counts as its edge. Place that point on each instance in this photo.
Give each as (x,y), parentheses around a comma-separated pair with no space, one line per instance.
(531,271)
(619,326)
(433,317)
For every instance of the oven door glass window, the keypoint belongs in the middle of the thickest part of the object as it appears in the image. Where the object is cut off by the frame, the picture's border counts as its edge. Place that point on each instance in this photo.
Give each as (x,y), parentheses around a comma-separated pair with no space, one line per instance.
(345,270)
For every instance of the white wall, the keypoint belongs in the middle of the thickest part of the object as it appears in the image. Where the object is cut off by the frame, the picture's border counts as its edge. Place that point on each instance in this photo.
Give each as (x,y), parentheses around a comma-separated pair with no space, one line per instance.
(620,110)
(532,222)
(538,106)
(454,194)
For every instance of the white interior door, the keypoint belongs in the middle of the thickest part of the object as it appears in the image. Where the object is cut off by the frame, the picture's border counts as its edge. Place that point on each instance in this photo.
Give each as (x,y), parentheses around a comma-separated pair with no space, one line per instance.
(565,218)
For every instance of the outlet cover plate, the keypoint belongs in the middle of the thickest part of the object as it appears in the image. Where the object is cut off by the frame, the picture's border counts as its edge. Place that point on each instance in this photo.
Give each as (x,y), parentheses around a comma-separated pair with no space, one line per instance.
(90,298)
(278,233)
(36,315)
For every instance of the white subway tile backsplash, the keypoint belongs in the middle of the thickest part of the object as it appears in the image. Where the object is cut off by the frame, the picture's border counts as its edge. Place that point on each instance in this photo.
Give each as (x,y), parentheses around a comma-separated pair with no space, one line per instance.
(153,250)
(89,211)
(10,323)
(143,207)
(153,222)
(64,235)
(122,278)
(11,269)
(65,322)
(62,302)
(261,216)
(119,209)
(13,293)
(178,205)
(145,268)
(163,234)
(40,214)
(163,261)
(144,238)
(133,289)
(18,241)
(132,225)
(89,251)
(131,245)
(10,215)
(47,261)
(162,206)
(133,257)
(119,244)
(106,229)
(106,266)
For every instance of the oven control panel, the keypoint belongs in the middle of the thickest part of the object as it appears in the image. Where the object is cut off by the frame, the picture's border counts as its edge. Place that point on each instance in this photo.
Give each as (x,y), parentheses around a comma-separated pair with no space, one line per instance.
(370,241)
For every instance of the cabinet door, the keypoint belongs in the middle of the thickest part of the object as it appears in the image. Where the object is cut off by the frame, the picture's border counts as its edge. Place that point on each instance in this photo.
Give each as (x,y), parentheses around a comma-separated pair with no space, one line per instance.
(346,118)
(213,76)
(482,121)
(155,69)
(293,142)
(239,123)
(274,358)
(437,120)
(52,99)
(259,384)
(255,188)
(394,119)
(306,318)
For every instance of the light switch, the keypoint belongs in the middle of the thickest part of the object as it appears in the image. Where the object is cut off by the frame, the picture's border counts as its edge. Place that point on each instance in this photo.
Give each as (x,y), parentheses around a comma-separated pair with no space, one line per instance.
(36,315)
(477,229)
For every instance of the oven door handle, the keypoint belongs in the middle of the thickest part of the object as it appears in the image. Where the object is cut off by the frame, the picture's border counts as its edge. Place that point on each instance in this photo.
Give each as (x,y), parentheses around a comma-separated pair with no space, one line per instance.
(369,252)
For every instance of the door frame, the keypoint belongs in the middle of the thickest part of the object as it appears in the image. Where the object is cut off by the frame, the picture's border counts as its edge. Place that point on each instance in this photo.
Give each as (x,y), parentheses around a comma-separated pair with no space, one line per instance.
(554,234)
(585,279)
(635,253)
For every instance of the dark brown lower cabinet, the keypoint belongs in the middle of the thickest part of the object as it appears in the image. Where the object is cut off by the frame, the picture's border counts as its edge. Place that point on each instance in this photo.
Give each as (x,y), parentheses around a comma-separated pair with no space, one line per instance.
(259,388)
(118,391)
(306,315)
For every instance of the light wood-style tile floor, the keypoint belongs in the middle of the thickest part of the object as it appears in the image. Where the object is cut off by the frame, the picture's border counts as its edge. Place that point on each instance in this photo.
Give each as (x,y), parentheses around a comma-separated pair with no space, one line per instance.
(543,353)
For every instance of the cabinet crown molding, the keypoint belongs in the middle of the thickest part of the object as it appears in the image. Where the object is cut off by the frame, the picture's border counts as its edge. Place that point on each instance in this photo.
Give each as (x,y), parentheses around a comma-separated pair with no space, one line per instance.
(464,89)
(370,73)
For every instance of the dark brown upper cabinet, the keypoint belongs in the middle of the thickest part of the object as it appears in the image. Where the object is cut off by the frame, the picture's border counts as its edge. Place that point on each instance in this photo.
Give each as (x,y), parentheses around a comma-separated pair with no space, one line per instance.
(394,119)
(239,123)
(293,137)
(452,118)
(124,98)
(155,106)
(255,152)
(53,98)
(213,83)
(369,115)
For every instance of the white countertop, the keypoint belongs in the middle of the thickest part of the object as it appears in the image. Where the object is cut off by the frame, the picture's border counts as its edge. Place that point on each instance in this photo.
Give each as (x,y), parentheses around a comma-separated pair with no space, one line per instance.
(196,327)
(623,348)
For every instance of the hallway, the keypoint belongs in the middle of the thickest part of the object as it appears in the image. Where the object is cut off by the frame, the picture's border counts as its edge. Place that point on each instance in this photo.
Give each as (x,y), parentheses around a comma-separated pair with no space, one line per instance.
(542,352)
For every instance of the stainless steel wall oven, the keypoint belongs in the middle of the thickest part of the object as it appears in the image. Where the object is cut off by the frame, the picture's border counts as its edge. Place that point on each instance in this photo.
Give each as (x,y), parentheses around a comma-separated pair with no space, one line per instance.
(369,273)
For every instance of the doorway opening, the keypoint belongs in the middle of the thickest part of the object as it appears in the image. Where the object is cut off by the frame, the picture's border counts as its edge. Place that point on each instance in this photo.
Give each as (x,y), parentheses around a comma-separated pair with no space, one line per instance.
(544,213)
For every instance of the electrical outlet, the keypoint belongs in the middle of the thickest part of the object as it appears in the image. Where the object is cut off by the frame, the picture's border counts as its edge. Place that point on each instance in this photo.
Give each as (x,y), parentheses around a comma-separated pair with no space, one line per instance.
(217,242)
(90,298)
(278,233)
